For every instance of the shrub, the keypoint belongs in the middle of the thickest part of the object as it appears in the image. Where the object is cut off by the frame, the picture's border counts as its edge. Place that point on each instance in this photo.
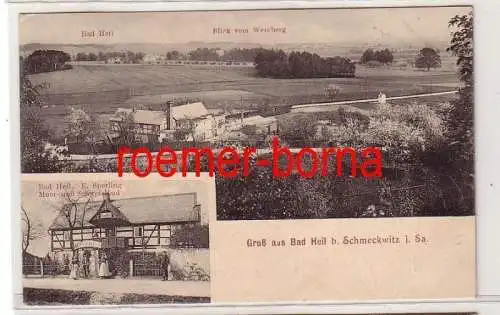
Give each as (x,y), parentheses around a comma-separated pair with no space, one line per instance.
(193,272)
(191,235)
(332,91)
(98,298)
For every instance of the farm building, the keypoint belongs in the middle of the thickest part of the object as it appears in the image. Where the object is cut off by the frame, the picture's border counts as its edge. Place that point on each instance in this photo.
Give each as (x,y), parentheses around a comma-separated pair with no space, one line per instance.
(153,59)
(126,231)
(260,125)
(114,60)
(263,125)
(158,125)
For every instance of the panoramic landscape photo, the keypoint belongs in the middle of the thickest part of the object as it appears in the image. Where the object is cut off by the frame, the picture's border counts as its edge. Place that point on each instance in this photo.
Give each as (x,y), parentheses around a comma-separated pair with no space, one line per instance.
(398,79)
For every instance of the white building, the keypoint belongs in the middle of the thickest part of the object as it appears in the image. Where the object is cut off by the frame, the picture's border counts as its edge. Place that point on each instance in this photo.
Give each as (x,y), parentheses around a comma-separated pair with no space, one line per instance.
(162,124)
(153,59)
(262,125)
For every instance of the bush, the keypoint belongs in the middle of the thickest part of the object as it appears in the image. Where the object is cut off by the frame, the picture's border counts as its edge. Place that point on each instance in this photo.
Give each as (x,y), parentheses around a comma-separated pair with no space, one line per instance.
(32,296)
(332,91)
(194,235)
(98,298)
(193,272)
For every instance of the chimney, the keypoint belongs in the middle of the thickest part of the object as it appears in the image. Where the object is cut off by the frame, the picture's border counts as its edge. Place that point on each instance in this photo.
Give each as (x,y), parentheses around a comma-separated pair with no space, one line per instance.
(197,209)
(168,111)
(106,197)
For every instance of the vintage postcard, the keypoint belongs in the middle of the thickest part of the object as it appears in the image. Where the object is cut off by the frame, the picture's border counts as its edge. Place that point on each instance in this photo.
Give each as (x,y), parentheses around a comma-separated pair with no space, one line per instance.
(340,141)
(90,240)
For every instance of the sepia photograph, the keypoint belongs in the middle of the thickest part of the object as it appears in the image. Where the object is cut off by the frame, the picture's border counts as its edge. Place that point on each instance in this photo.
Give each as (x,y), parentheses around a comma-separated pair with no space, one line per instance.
(108,241)
(399,80)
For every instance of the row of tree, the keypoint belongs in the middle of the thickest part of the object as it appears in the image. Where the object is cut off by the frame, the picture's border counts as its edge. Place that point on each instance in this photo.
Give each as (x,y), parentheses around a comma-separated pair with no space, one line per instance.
(426,58)
(199,54)
(384,56)
(45,61)
(214,54)
(277,64)
(124,56)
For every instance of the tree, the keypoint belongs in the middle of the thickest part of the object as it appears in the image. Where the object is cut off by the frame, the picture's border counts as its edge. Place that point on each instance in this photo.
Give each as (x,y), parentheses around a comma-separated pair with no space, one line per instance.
(46,61)
(31,230)
(368,55)
(300,129)
(428,58)
(92,57)
(460,121)
(81,56)
(125,129)
(173,55)
(461,46)
(101,56)
(385,56)
(190,235)
(79,125)
(204,54)
(185,130)
(83,128)
(277,64)
(332,91)
(74,213)
(35,158)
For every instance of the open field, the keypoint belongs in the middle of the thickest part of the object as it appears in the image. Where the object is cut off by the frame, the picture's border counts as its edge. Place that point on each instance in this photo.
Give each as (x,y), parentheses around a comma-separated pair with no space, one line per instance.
(103,88)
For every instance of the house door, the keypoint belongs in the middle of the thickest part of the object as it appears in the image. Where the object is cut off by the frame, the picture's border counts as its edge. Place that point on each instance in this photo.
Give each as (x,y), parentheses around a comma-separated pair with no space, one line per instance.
(110,235)
(110,232)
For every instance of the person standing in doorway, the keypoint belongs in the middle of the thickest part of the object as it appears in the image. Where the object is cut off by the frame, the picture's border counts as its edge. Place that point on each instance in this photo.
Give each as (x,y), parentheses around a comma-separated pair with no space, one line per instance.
(164,264)
(74,268)
(85,264)
(93,265)
(104,267)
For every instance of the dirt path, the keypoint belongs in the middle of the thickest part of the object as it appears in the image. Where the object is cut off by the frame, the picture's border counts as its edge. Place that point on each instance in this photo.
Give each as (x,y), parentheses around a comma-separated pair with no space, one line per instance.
(138,286)
(321,106)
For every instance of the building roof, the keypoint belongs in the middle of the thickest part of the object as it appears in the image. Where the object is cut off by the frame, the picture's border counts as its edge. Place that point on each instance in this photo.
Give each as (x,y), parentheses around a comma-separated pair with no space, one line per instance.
(189,111)
(144,210)
(258,120)
(156,117)
(149,117)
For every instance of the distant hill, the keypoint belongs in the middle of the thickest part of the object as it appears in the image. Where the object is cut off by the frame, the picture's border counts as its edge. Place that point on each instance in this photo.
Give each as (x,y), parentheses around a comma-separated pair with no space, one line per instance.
(322,49)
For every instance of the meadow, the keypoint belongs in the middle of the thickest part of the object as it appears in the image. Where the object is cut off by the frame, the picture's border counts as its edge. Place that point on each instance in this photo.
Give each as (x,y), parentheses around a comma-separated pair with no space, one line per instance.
(103,88)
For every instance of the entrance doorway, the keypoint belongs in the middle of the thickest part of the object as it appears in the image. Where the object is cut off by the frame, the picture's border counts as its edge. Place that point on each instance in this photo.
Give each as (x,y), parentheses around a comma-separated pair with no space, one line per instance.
(88,257)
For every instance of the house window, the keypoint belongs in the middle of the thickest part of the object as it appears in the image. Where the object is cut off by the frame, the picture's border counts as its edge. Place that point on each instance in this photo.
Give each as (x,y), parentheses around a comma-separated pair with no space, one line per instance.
(138,231)
(67,235)
(165,241)
(115,127)
(106,215)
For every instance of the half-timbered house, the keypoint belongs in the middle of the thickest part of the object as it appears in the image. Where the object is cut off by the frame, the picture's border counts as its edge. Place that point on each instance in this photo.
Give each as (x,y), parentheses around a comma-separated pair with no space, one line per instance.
(127,228)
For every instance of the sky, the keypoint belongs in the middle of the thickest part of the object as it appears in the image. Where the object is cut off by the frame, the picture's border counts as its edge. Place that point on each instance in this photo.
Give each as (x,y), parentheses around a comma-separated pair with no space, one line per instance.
(387,25)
